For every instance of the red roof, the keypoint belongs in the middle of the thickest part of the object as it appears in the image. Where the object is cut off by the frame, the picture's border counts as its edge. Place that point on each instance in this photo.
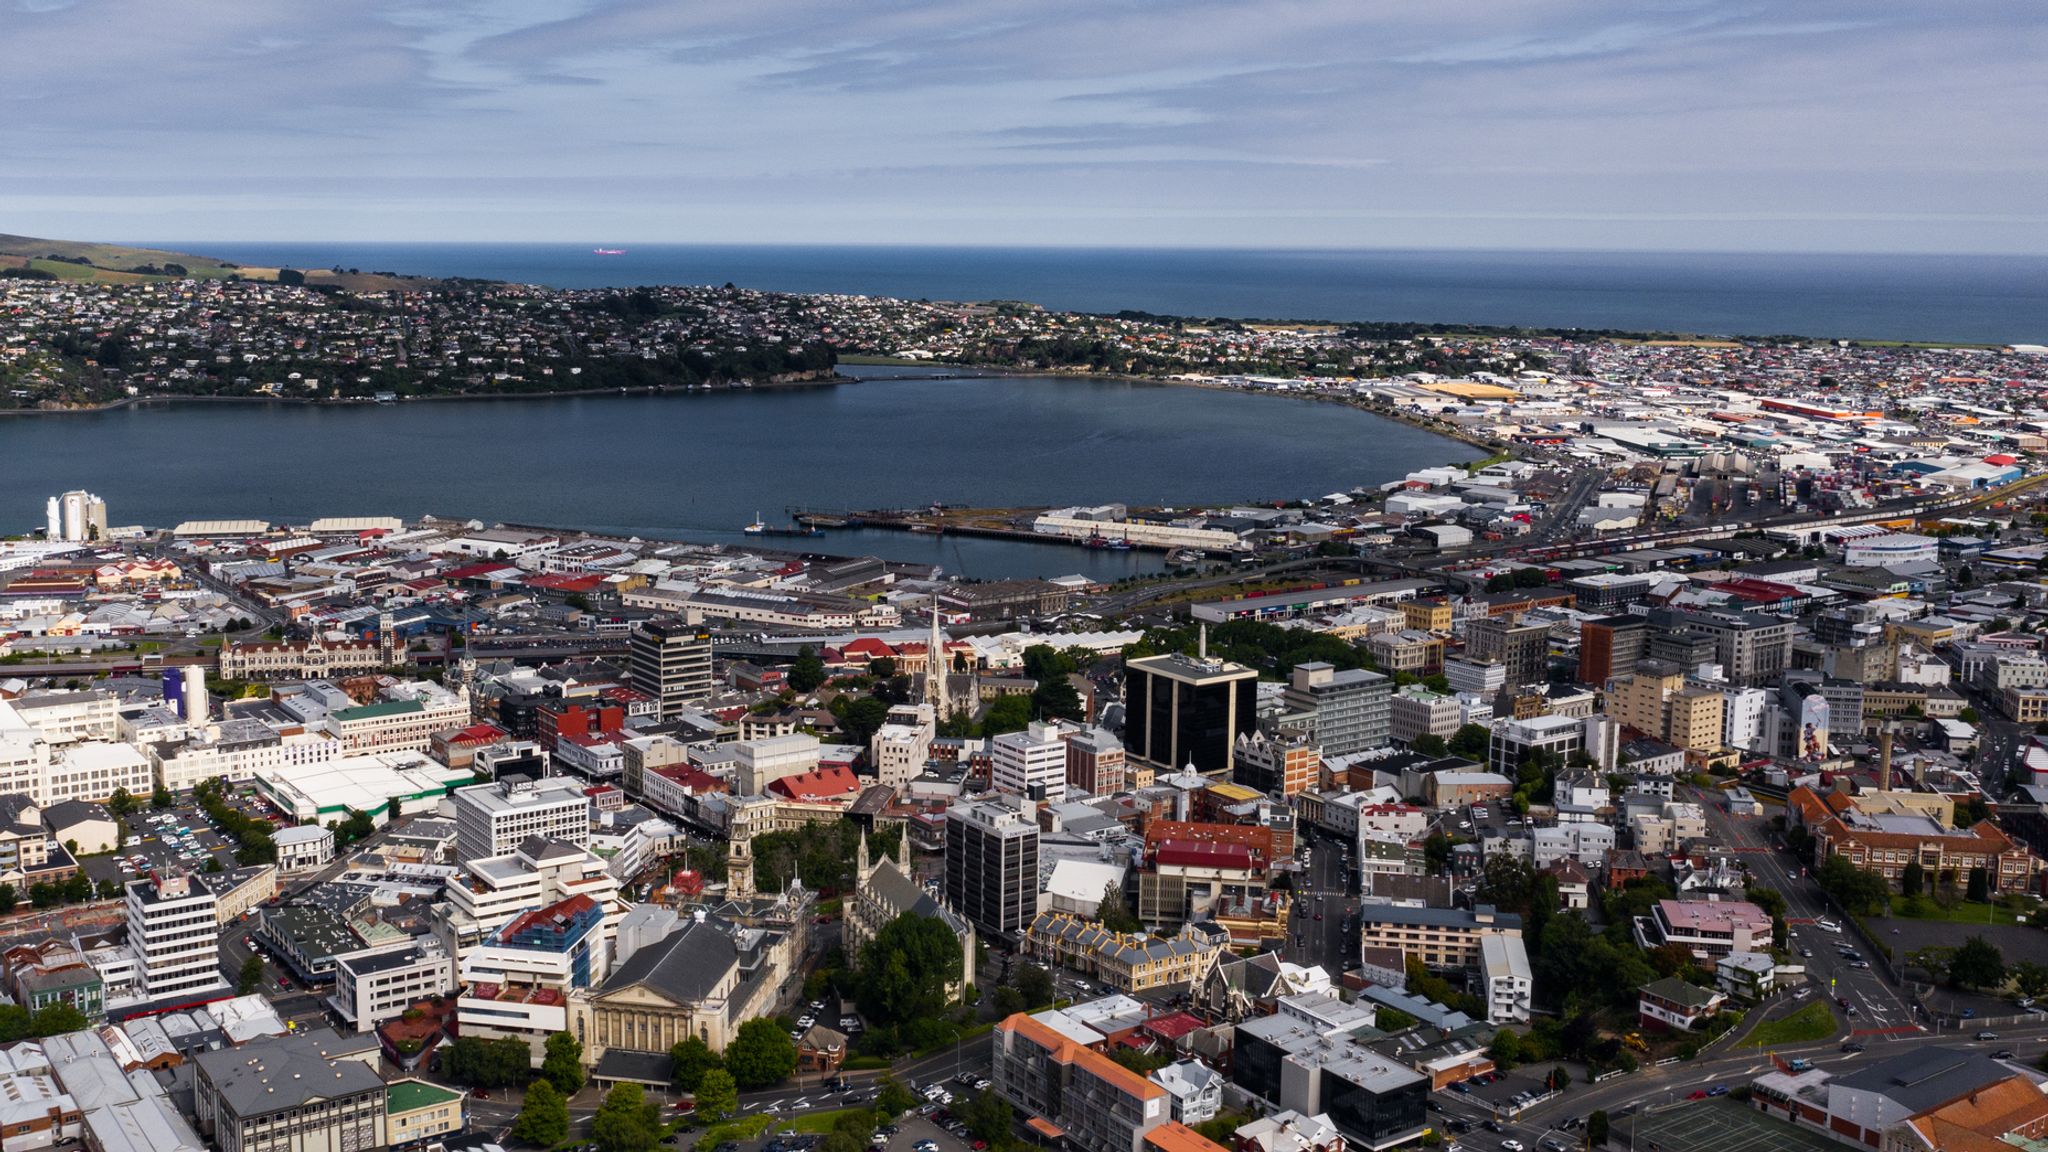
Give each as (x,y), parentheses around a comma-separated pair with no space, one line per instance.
(2001,459)
(866,648)
(558,911)
(823,784)
(690,779)
(479,734)
(1191,854)
(563,582)
(475,571)
(1172,1027)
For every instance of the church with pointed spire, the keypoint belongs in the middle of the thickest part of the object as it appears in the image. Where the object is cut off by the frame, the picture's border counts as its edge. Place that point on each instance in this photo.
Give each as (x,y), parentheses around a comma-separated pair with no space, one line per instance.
(883,890)
(936,668)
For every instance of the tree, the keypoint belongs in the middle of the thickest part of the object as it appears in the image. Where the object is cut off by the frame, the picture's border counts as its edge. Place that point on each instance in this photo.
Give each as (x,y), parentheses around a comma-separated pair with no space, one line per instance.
(762,1054)
(1055,698)
(1913,879)
(251,977)
(1429,744)
(1507,882)
(1977,964)
(1596,1128)
(1008,1001)
(906,970)
(988,1117)
(1114,912)
(1007,714)
(1558,1080)
(160,798)
(1979,890)
(1506,1050)
(1436,852)
(56,1020)
(8,898)
(807,671)
(2030,978)
(488,1063)
(717,1096)
(120,803)
(691,1060)
(892,1099)
(42,895)
(1471,741)
(544,1118)
(1034,984)
(562,1065)
(627,1121)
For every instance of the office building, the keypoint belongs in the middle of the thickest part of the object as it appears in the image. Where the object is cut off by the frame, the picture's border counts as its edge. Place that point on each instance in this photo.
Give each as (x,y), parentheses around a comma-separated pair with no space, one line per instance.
(303,846)
(1097,1104)
(1292,1064)
(175,936)
(1031,763)
(517,983)
(1750,647)
(1441,938)
(992,864)
(287,1094)
(379,984)
(1183,711)
(1522,649)
(1351,708)
(1281,767)
(671,661)
(1415,711)
(1610,647)
(759,763)
(1096,763)
(1711,929)
(493,819)
(1514,740)
(902,747)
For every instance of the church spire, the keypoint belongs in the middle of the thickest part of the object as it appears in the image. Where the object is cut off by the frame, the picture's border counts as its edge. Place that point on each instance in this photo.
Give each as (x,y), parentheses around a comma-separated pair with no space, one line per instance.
(860,861)
(935,668)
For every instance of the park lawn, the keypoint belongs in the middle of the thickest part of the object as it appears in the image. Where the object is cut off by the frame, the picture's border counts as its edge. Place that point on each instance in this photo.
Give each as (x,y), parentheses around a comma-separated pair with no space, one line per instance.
(1965,912)
(1816,1021)
(819,1123)
(738,1131)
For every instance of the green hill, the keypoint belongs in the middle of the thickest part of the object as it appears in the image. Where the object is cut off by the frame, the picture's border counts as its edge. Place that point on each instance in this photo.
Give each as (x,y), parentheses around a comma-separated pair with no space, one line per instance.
(118,264)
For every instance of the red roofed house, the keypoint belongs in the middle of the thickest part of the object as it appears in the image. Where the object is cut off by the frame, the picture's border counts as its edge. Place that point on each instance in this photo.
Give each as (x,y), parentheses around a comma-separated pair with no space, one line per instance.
(458,747)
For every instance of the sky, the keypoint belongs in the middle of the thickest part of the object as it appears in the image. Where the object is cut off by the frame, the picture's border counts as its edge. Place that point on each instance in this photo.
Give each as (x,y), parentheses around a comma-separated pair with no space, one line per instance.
(1647,124)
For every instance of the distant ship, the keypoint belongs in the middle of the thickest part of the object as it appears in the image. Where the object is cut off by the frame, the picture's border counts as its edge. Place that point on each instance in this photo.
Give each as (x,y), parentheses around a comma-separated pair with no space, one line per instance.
(609,251)
(758,528)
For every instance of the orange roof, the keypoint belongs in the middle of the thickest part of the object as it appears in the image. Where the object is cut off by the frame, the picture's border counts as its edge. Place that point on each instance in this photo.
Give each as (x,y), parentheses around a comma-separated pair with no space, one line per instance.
(1984,836)
(1174,1136)
(1080,1056)
(1045,1128)
(1976,1122)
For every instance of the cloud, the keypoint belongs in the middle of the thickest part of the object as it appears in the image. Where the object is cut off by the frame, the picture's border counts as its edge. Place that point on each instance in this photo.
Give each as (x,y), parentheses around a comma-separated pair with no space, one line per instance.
(1661,123)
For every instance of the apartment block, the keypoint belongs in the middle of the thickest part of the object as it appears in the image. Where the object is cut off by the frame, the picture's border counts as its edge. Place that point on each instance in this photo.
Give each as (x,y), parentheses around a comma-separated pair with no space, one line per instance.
(1442,938)
(1094,1103)
(493,819)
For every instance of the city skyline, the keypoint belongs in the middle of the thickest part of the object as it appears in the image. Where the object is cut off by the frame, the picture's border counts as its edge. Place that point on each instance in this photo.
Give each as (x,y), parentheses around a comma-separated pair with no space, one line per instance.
(1672,126)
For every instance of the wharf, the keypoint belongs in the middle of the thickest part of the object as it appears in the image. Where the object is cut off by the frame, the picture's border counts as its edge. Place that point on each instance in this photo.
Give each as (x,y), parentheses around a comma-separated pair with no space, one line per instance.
(944,520)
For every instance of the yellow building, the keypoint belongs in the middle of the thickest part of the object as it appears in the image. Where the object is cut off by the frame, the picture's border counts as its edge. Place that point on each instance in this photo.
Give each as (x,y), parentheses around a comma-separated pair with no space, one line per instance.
(1426,615)
(415,1110)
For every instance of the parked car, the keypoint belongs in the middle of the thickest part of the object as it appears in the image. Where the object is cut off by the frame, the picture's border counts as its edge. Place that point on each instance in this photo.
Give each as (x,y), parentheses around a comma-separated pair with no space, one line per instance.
(1511,1145)
(1987,1034)
(1718,1090)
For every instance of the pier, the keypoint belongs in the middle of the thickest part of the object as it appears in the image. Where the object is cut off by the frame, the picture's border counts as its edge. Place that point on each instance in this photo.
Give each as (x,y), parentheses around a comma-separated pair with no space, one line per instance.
(945,520)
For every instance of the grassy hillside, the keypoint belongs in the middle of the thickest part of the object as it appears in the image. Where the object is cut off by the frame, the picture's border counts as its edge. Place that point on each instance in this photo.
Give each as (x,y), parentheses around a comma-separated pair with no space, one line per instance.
(117,264)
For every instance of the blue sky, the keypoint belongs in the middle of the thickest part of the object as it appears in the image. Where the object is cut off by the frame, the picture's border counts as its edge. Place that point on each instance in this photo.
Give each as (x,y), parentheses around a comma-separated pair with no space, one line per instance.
(1656,124)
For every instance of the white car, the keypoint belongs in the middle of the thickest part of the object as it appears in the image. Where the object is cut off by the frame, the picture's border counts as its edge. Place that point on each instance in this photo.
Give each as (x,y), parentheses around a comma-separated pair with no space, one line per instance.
(1828,925)
(1511,1145)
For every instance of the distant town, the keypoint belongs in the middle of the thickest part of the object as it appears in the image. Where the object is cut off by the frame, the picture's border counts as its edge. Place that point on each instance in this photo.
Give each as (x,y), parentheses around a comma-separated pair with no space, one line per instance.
(1687,742)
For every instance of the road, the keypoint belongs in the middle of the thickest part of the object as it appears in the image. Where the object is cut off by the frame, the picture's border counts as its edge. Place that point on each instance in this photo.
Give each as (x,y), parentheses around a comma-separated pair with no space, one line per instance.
(1879,1004)
(1326,890)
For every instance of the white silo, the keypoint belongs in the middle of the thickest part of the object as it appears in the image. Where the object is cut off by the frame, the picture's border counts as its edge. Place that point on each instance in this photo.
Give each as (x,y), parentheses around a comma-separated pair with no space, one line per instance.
(195,694)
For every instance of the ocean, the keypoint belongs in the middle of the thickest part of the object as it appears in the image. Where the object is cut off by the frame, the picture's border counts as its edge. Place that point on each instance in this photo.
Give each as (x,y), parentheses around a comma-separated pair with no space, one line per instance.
(700,466)
(1961,299)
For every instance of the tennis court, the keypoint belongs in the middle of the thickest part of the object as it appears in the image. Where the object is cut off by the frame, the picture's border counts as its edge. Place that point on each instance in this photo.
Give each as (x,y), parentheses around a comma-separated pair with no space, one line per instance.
(1722,1126)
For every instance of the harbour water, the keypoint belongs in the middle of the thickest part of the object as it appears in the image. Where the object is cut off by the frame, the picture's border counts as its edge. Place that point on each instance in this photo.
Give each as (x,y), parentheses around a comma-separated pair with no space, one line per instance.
(699,466)
(1976,299)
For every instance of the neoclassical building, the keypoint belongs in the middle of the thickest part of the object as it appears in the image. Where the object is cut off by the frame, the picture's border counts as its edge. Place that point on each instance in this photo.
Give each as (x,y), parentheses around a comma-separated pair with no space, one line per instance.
(882,891)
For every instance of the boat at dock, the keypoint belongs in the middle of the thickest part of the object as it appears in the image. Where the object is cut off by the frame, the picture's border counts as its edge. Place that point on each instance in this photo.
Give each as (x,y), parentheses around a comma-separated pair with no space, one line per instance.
(758,528)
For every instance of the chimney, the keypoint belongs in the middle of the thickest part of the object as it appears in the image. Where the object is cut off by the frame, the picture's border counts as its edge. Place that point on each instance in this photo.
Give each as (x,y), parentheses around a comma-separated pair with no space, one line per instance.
(1202,644)
(1884,759)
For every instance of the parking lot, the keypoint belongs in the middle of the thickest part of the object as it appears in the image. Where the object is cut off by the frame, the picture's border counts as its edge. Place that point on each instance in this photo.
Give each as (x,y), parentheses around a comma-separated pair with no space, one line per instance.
(1721,1126)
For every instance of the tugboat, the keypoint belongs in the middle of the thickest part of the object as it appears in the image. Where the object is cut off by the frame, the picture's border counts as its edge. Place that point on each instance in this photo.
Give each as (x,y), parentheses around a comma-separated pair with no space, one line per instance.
(1096,541)
(1122,545)
(758,528)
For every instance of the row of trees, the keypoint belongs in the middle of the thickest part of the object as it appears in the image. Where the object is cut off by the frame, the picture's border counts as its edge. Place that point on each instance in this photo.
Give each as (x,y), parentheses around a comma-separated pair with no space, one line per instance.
(253,844)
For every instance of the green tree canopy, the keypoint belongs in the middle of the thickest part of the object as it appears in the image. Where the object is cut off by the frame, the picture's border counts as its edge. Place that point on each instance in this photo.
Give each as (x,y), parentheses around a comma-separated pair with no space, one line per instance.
(1977,964)
(562,1064)
(691,1059)
(544,1118)
(1114,912)
(717,1096)
(892,1098)
(627,1121)
(1034,984)
(808,671)
(761,1054)
(251,977)
(1471,742)
(906,970)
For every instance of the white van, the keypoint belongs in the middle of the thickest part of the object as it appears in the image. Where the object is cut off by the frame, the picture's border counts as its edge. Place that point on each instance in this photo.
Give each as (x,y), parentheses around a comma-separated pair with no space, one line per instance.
(1829,925)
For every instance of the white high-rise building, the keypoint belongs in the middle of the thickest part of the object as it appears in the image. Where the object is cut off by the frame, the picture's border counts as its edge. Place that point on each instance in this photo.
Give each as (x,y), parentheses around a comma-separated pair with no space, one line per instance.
(1742,717)
(1030,763)
(494,819)
(175,935)
(902,746)
(78,516)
